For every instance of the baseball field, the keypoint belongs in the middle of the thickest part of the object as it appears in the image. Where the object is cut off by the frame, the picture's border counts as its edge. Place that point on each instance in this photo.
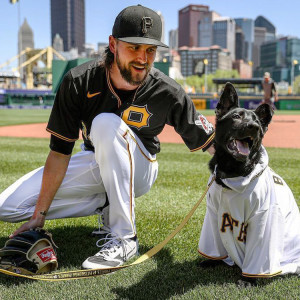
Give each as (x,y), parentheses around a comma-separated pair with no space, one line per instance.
(173,273)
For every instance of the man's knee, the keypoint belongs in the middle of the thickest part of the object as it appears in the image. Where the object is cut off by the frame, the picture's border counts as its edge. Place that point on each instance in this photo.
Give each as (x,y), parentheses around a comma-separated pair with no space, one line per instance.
(7,212)
(18,200)
(105,126)
(15,206)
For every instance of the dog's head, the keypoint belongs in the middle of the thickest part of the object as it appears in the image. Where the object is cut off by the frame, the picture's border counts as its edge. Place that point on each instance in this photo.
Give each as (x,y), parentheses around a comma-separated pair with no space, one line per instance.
(239,132)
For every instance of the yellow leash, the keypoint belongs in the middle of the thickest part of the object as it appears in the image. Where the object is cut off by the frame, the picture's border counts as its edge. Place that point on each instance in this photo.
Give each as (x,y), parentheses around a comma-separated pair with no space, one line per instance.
(78,274)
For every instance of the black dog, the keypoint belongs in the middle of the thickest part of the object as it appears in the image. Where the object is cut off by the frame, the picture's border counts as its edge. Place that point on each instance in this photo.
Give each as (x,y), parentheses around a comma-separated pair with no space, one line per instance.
(251,212)
(239,133)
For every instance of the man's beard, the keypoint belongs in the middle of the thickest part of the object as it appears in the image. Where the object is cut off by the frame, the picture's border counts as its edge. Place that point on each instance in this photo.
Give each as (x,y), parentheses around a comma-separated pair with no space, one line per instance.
(127,74)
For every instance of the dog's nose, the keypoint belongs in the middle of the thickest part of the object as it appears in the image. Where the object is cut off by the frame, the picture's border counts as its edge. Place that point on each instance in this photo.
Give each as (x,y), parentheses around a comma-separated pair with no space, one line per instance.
(252,125)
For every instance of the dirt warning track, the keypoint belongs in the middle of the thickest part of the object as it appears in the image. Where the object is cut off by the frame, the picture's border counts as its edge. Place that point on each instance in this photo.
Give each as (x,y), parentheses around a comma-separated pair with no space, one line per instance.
(284,132)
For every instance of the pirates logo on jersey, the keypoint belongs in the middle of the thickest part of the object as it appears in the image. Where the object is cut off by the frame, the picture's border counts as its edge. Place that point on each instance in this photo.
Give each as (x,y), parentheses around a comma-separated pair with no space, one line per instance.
(202,121)
(137,116)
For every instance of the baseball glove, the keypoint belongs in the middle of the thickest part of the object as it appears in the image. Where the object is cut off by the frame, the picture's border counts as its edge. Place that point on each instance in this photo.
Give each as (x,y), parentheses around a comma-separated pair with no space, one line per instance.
(29,252)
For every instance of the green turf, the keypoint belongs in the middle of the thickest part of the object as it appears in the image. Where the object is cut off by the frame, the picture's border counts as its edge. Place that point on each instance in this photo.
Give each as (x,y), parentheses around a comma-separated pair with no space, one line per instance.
(23,116)
(28,116)
(287,112)
(172,273)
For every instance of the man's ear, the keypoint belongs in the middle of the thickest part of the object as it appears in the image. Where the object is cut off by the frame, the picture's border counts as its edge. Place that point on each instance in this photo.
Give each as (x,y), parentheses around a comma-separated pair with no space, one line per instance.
(265,114)
(112,44)
(228,100)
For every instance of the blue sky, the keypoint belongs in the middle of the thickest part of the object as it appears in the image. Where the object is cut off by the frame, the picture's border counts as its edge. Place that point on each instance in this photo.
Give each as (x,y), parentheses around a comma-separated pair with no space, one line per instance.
(100,15)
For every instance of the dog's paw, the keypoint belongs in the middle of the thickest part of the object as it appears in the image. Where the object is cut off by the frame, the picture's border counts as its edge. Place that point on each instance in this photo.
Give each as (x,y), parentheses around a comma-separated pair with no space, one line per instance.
(210,263)
(246,282)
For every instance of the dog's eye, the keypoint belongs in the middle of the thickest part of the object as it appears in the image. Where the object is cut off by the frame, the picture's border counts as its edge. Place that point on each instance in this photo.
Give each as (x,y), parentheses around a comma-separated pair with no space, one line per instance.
(236,116)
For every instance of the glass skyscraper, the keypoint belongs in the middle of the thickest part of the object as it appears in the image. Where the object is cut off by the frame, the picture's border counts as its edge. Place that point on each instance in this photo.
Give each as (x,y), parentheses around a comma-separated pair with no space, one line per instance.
(247,25)
(68,20)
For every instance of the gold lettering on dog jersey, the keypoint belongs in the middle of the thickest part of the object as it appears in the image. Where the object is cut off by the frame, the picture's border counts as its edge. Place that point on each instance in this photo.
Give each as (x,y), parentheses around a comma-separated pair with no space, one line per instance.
(243,233)
(137,116)
(277,180)
(228,221)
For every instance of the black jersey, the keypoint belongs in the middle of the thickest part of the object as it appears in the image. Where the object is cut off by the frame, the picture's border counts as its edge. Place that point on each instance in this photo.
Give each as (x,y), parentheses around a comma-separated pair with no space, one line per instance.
(86,91)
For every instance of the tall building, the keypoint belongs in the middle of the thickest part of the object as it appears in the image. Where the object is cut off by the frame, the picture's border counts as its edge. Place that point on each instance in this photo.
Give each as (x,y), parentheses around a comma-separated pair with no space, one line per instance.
(173,39)
(189,19)
(68,20)
(247,25)
(161,52)
(278,56)
(162,27)
(224,34)
(261,21)
(58,43)
(264,31)
(239,43)
(259,39)
(25,40)
(205,28)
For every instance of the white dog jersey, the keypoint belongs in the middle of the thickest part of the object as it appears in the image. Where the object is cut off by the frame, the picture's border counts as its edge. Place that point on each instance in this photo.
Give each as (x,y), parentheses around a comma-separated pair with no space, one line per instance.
(255,222)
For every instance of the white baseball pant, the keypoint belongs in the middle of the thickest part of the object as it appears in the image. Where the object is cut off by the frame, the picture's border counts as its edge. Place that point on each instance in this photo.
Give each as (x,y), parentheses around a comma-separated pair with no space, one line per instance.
(121,167)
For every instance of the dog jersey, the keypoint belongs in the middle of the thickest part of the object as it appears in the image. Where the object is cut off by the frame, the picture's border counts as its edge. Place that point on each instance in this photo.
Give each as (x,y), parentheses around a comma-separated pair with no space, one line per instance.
(87,91)
(255,221)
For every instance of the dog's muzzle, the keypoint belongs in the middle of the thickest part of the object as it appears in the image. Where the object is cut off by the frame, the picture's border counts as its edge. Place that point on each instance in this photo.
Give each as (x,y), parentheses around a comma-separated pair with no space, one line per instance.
(240,147)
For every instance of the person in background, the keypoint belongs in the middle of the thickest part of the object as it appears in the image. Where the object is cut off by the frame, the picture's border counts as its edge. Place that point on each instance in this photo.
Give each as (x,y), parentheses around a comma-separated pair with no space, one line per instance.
(269,88)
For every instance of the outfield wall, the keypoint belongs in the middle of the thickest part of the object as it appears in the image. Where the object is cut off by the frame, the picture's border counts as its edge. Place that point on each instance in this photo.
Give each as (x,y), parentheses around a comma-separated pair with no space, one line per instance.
(17,97)
(26,98)
(249,102)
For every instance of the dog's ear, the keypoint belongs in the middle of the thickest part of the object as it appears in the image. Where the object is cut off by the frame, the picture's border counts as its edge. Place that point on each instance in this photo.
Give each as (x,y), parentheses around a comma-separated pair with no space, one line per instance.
(228,100)
(265,114)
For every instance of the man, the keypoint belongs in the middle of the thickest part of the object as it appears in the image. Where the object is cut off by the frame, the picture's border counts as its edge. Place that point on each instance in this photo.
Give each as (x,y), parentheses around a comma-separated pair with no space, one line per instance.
(121,104)
(270,94)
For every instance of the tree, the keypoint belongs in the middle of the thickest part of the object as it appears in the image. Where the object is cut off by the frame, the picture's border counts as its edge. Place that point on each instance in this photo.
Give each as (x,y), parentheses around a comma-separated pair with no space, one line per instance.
(197,82)
(296,88)
(226,74)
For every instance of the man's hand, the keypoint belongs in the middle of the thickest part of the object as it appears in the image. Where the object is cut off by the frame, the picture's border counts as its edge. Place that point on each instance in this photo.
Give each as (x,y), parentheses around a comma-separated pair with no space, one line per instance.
(31,224)
(211,150)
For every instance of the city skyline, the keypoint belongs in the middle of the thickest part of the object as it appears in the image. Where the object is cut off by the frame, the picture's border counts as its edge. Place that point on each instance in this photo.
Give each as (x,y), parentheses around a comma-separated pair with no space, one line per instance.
(100,17)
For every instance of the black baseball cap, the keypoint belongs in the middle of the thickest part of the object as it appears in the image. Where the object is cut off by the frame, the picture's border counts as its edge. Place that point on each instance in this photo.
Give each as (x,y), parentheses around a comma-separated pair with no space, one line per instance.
(138,25)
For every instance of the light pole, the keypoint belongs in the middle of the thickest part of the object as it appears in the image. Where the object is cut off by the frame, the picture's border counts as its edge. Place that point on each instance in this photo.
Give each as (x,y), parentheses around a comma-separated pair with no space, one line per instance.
(205,61)
(250,63)
(19,50)
(294,62)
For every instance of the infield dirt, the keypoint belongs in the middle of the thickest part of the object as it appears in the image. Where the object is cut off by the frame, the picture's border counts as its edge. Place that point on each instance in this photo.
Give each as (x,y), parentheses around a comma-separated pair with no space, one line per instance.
(284,132)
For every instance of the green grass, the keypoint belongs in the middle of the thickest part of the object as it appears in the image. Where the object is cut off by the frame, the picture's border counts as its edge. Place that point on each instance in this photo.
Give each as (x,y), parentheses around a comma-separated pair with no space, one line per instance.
(23,116)
(287,112)
(28,116)
(173,272)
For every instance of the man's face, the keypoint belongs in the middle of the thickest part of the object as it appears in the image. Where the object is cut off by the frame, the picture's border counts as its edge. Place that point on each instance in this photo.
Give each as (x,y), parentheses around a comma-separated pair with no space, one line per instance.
(134,61)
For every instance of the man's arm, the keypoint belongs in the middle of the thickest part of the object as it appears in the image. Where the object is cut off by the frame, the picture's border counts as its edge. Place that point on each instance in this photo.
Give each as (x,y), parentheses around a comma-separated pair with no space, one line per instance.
(54,173)
(195,130)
